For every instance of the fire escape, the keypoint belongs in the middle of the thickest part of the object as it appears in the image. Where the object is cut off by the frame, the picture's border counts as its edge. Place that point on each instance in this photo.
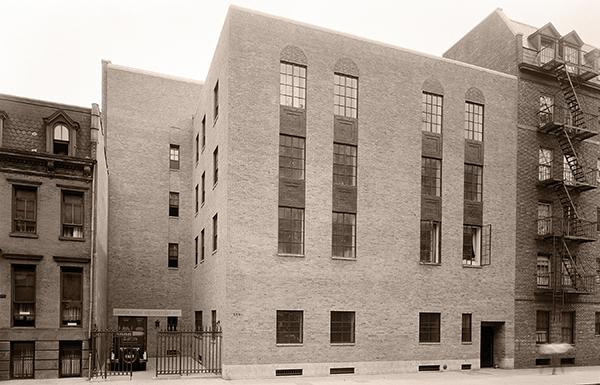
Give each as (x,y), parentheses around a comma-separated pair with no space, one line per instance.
(571,125)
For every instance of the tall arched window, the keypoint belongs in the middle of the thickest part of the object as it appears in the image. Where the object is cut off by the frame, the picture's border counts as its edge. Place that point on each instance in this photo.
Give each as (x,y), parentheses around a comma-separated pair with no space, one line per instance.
(61,140)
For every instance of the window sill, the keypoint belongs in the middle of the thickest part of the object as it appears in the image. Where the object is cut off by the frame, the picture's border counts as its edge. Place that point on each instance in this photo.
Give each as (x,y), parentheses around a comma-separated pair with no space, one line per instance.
(290,255)
(71,239)
(430,343)
(430,263)
(291,345)
(71,327)
(173,268)
(23,327)
(344,258)
(342,343)
(467,343)
(174,169)
(471,266)
(23,235)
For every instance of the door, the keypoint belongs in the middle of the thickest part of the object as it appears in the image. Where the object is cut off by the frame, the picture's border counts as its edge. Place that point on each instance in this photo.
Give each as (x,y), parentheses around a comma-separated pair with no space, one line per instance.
(487,347)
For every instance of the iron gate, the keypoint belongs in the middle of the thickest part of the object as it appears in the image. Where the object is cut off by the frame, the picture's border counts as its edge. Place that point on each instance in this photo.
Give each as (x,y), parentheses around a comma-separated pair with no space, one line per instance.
(188,352)
(112,353)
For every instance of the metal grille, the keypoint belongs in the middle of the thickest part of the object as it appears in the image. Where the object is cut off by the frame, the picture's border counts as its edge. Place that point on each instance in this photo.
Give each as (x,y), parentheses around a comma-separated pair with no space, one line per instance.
(113,354)
(188,352)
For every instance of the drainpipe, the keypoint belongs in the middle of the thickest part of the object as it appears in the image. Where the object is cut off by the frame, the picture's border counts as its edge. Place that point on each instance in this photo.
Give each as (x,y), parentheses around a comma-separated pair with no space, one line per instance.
(95,125)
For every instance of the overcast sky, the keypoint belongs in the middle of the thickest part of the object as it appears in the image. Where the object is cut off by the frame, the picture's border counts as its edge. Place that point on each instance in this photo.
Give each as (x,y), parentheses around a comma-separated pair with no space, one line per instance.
(51,49)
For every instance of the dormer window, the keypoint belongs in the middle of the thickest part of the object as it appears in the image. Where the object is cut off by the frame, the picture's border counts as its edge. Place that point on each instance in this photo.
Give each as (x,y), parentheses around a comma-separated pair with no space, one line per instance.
(571,54)
(548,50)
(60,145)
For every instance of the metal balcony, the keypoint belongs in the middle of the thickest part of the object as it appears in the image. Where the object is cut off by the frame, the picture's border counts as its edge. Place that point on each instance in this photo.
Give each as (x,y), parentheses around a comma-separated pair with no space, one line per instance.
(553,119)
(572,229)
(549,59)
(548,282)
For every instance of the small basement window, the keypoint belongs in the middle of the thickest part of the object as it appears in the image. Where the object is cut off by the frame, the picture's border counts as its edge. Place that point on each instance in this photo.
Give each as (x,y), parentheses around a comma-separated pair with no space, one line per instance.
(429,368)
(465,367)
(567,361)
(288,372)
(341,370)
(542,361)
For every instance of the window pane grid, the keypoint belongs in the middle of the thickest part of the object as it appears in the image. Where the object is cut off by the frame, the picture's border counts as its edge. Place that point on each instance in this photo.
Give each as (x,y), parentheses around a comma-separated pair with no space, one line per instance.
(431,176)
(22,359)
(71,297)
(473,182)
(430,242)
(473,121)
(471,245)
(342,327)
(466,328)
(345,95)
(292,85)
(432,113)
(23,296)
(545,164)
(429,327)
(291,231)
(344,235)
(289,327)
(291,157)
(344,164)
(173,255)
(542,329)
(24,220)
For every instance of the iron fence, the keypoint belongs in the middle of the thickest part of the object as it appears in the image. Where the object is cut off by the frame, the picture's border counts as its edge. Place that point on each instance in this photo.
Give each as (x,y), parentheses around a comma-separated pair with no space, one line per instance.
(113,354)
(188,352)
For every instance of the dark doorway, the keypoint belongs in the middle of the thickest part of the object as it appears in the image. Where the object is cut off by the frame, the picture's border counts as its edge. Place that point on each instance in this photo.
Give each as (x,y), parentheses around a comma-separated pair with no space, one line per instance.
(487,347)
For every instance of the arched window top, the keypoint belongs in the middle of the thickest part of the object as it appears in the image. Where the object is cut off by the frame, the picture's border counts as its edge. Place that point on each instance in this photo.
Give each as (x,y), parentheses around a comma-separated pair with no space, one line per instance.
(433,86)
(293,54)
(346,66)
(475,95)
(61,132)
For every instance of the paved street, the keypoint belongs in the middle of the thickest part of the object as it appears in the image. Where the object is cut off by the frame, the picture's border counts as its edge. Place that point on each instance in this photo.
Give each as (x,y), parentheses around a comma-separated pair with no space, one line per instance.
(568,376)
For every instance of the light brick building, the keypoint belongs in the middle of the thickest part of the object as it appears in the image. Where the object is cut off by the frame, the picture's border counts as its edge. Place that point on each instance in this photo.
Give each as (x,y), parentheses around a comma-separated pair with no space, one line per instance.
(557,259)
(51,237)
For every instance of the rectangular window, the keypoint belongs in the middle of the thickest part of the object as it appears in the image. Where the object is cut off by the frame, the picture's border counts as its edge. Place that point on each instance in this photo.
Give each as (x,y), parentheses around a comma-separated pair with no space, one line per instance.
(471,245)
(216,102)
(203,131)
(23,295)
(432,113)
(291,231)
(71,300)
(24,209)
(72,214)
(292,85)
(203,194)
(567,172)
(344,164)
(202,245)
(547,53)
(198,320)
(597,323)
(22,359)
(344,235)
(430,241)
(196,250)
(544,214)
(174,157)
(213,320)
(429,327)
(173,204)
(473,121)
(69,358)
(466,328)
(172,324)
(197,147)
(345,95)
(543,271)
(342,327)
(215,233)
(542,328)
(473,182)
(545,164)
(173,255)
(289,326)
(431,176)
(291,157)
(571,54)
(546,109)
(216,166)
(567,321)
(196,199)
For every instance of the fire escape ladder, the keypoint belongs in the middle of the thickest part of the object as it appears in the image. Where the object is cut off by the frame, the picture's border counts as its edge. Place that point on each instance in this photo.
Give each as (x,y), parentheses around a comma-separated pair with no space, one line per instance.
(576,165)
(558,293)
(571,98)
(567,204)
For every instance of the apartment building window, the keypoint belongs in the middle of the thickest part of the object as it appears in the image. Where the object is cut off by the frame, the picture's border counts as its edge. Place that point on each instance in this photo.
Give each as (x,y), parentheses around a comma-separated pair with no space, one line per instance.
(473,182)
(215,166)
(571,54)
(567,321)
(567,172)
(72,214)
(197,147)
(173,204)
(24,209)
(597,323)
(344,235)
(174,157)
(471,245)
(216,102)
(198,320)
(196,199)
(431,176)
(344,164)
(23,295)
(215,233)
(172,324)
(196,250)
(543,271)
(291,157)
(542,328)
(466,328)
(202,245)
(345,95)
(429,327)
(213,320)
(202,184)
(69,357)
(432,113)
(292,85)
(474,121)
(430,241)
(71,299)
(547,52)
(60,144)
(545,164)
(291,231)
(203,127)
(546,109)
(22,359)
(544,221)
(342,327)
(173,255)
(289,326)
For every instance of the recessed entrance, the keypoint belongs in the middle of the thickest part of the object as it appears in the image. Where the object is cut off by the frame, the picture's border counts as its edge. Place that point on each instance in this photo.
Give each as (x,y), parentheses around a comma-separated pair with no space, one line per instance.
(492,349)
